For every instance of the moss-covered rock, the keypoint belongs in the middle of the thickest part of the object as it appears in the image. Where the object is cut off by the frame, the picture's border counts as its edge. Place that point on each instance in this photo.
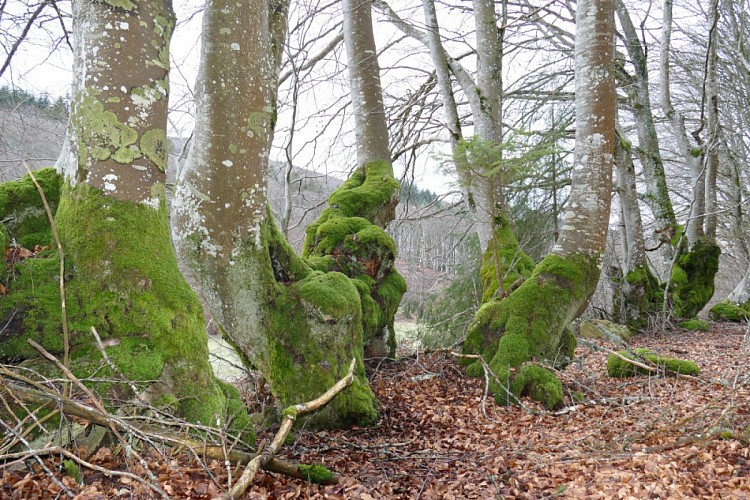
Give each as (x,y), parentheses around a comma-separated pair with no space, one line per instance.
(617,367)
(22,209)
(695,325)
(692,280)
(726,311)
(604,329)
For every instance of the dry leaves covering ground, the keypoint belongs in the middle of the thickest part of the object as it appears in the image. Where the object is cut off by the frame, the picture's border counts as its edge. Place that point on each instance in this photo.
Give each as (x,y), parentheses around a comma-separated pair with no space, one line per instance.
(631,438)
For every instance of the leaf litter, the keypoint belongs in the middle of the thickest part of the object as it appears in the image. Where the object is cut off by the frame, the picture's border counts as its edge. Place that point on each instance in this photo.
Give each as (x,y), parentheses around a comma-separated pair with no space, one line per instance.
(643,437)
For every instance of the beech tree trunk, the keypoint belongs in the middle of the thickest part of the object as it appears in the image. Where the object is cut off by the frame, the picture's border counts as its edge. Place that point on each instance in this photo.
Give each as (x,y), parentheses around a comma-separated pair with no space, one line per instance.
(295,319)
(692,278)
(121,271)
(649,152)
(531,324)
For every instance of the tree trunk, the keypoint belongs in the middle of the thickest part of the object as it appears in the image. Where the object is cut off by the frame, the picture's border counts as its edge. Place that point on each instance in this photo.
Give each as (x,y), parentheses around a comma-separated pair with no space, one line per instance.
(692,278)
(637,291)
(123,277)
(657,195)
(349,236)
(532,322)
(297,321)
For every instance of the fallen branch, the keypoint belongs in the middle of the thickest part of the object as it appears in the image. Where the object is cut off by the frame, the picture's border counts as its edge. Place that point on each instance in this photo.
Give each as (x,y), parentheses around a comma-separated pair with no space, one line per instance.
(290,416)
(202,449)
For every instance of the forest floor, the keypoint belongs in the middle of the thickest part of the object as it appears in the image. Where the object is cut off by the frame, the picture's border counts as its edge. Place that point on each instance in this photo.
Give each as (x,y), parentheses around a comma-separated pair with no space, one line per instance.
(644,437)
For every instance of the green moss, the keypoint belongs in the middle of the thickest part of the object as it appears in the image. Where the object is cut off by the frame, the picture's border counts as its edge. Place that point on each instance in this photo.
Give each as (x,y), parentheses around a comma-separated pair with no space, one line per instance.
(539,383)
(726,311)
(290,412)
(315,473)
(503,260)
(127,284)
(692,280)
(695,324)
(22,209)
(4,239)
(617,367)
(531,322)
(332,295)
(71,469)
(125,5)
(367,191)
(238,420)
(308,352)
(637,296)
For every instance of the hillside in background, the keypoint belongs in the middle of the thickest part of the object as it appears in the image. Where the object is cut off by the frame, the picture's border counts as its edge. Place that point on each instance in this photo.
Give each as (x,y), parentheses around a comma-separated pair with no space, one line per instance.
(431,247)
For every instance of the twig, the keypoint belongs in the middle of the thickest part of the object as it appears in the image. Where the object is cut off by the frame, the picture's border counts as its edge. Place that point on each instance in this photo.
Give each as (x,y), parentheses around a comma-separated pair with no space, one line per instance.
(290,415)
(98,405)
(61,253)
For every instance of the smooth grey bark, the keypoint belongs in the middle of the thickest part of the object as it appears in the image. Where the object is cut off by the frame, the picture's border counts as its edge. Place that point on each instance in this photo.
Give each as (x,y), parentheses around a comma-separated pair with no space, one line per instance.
(364,81)
(584,230)
(693,156)
(713,143)
(649,152)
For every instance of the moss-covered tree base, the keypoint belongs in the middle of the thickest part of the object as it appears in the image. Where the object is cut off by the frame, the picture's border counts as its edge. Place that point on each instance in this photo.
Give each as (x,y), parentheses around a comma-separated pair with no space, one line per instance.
(617,367)
(121,278)
(726,311)
(503,262)
(532,324)
(637,295)
(692,280)
(22,211)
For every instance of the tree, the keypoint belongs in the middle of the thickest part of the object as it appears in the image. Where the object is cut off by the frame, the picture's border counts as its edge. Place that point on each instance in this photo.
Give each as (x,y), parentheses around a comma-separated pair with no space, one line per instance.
(121,271)
(532,323)
(298,320)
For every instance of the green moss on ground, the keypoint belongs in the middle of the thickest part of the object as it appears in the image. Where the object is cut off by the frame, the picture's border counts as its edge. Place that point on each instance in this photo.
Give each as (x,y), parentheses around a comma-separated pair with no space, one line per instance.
(692,280)
(726,311)
(616,367)
(695,325)
(22,208)
(503,261)
(315,473)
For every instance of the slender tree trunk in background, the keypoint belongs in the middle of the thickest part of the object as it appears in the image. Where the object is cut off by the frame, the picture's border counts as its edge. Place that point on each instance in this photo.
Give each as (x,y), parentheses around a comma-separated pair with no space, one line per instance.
(691,284)
(112,216)
(349,236)
(637,292)
(657,195)
(532,323)
(713,143)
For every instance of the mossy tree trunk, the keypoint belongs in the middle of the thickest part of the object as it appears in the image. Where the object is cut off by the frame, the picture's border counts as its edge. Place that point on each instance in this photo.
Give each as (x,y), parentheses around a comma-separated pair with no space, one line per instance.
(531,325)
(299,322)
(122,271)
(691,284)
(636,290)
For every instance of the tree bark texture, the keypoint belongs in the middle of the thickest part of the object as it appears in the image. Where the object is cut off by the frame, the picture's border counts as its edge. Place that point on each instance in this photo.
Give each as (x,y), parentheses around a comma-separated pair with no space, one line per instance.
(122,275)
(532,323)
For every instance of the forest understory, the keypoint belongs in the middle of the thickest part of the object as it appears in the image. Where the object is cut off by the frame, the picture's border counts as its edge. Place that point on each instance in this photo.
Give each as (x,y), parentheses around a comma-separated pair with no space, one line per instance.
(642,437)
